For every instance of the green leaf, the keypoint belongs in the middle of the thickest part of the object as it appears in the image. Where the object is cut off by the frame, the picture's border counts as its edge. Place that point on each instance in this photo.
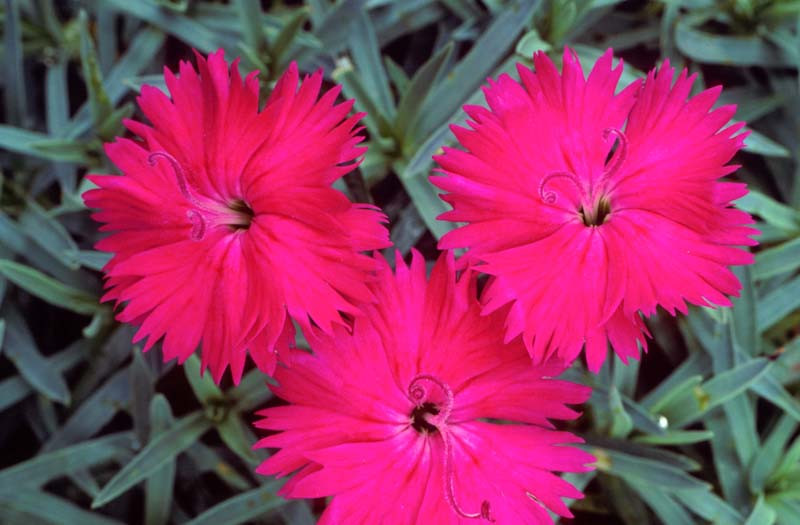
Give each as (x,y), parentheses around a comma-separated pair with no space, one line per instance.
(256,503)
(467,76)
(50,508)
(530,43)
(762,514)
(717,390)
(99,103)
(164,447)
(621,424)
(207,460)
(676,437)
(770,453)
(252,392)
(771,389)
(48,289)
(21,350)
(158,487)
(709,506)
(238,438)
(418,89)
(664,506)
(93,414)
(335,28)
(637,469)
(727,50)
(778,304)
(15,388)
(50,465)
(366,53)
(770,210)
(48,233)
(185,28)
(760,144)
(287,35)
(205,390)
(38,145)
(745,332)
(14,73)
(777,260)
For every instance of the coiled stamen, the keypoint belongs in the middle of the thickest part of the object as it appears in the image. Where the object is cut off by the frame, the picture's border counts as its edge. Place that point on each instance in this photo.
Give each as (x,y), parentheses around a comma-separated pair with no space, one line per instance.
(620,154)
(550,197)
(180,176)
(420,395)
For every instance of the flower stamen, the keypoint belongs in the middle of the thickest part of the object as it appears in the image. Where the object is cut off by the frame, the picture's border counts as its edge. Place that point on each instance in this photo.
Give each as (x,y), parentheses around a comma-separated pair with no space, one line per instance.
(620,154)
(432,409)
(550,197)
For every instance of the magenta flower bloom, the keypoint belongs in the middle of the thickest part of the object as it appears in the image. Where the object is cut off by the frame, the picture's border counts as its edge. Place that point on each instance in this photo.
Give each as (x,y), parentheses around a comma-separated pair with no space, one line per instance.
(224,219)
(590,208)
(396,419)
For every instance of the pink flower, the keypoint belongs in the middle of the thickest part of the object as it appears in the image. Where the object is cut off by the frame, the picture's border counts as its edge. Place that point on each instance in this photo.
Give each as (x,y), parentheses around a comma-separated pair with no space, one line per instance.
(398,419)
(225,219)
(579,235)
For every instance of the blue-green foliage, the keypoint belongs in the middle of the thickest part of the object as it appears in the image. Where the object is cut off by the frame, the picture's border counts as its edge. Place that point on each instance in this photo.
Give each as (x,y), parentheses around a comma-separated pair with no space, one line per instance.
(705,429)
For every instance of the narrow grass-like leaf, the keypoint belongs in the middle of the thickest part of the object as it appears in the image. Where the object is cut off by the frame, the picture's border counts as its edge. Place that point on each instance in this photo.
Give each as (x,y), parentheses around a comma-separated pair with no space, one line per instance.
(337,24)
(418,89)
(44,467)
(142,388)
(94,412)
(20,348)
(771,389)
(663,505)
(677,437)
(471,70)
(52,509)
(762,513)
(158,487)
(164,447)
(366,53)
(207,460)
(727,49)
(709,506)
(769,455)
(636,469)
(48,289)
(99,103)
(237,437)
(252,392)
(50,234)
(280,47)
(202,384)
(14,81)
(14,389)
(745,332)
(717,390)
(778,304)
(35,144)
(772,211)
(256,503)
(760,144)
(250,16)
(779,259)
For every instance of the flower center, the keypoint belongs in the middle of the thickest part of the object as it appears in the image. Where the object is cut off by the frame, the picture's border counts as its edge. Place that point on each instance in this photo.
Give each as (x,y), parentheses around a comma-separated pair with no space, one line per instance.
(205,212)
(597,214)
(433,403)
(242,215)
(595,206)
(419,418)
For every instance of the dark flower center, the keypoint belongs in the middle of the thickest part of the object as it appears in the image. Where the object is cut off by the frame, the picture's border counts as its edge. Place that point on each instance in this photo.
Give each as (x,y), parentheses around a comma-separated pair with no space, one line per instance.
(598,215)
(419,418)
(244,215)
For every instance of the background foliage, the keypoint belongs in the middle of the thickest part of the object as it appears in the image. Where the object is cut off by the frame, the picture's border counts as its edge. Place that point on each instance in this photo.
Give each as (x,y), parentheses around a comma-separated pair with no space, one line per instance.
(95,432)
